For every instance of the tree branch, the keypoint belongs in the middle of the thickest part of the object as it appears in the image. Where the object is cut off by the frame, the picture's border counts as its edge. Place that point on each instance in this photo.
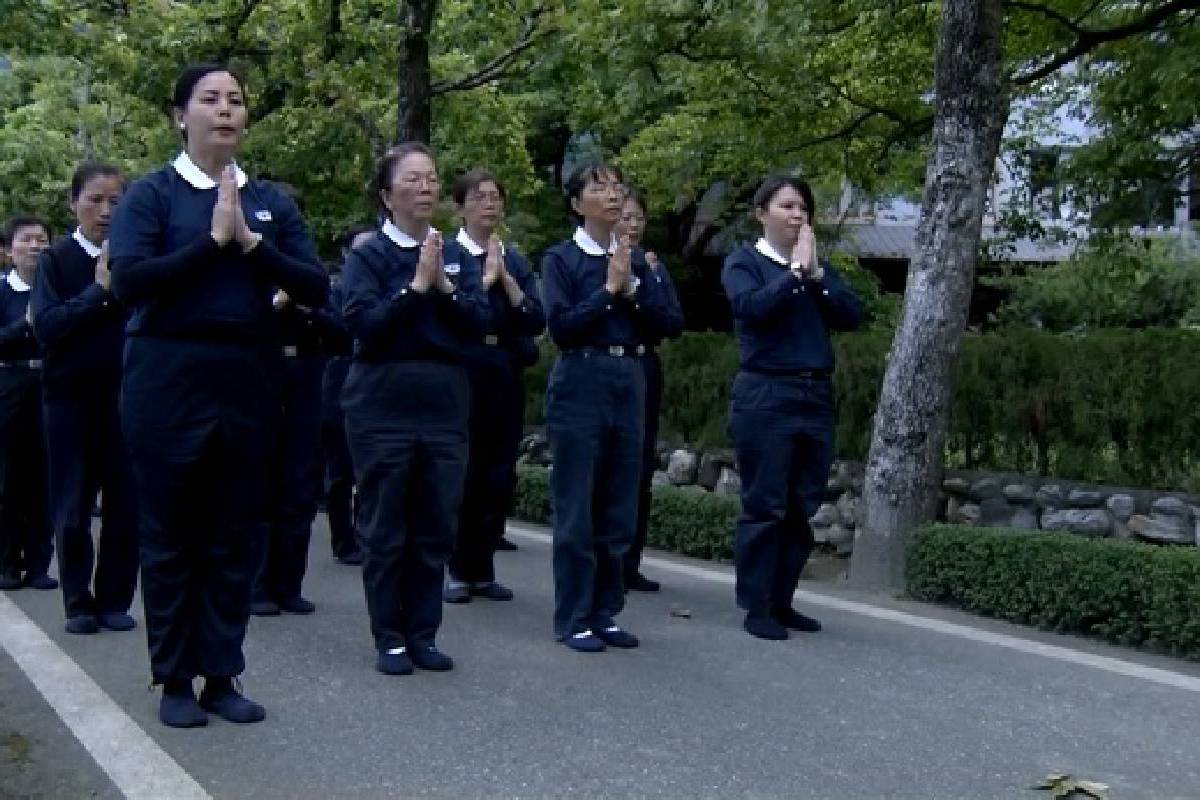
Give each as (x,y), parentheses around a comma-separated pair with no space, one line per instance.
(1035,8)
(233,29)
(1089,40)
(498,66)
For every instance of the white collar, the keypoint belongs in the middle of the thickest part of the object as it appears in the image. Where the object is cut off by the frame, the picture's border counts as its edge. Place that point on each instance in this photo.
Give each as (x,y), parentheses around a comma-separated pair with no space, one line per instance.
(471,246)
(398,236)
(589,245)
(188,170)
(92,250)
(764,247)
(14,280)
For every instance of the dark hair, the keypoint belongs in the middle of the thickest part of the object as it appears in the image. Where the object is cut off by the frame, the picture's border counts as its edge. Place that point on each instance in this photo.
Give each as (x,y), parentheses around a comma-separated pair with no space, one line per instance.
(185,84)
(18,221)
(773,183)
(635,194)
(588,171)
(472,180)
(387,165)
(88,170)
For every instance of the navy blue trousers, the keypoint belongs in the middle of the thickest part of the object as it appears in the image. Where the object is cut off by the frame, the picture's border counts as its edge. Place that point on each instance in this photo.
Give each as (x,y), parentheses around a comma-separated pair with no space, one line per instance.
(340,504)
(87,454)
(407,426)
(782,429)
(26,539)
(497,421)
(652,367)
(298,482)
(200,421)
(595,406)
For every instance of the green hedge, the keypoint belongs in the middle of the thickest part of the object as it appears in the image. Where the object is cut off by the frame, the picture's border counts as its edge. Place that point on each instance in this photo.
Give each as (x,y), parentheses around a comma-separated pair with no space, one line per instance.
(688,521)
(1125,592)
(1113,407)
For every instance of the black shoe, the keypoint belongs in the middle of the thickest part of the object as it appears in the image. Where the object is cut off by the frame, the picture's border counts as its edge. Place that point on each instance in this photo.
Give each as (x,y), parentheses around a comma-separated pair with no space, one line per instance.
(791,618)
(637,582)
(297,605)
(456,592)
(429,657)
(394,662)
(616,636)
(764,627)
(10,582)
(116,621)
(584,642)
(82,624)
(179,709)
(491,591)
(41,582)
(221,698)
(354,559)
(264,608)
(506,544)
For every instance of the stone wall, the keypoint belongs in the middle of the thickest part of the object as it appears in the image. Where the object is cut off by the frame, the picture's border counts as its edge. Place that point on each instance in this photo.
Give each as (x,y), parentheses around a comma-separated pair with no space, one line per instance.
(989,499)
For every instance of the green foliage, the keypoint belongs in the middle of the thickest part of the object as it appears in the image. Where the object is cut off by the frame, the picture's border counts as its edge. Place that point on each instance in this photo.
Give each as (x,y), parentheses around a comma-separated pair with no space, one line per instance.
(1113,282)
(1125,592)
(688,521)
(1112,406)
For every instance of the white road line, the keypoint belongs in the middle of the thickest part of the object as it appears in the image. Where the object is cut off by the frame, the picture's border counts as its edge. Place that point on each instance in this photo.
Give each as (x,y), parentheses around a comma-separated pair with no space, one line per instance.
(140,768)
(1107,663)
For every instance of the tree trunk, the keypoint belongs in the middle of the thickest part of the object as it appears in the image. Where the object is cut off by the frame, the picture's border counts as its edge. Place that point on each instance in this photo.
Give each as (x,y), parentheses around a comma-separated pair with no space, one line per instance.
(413,77)
(904,468)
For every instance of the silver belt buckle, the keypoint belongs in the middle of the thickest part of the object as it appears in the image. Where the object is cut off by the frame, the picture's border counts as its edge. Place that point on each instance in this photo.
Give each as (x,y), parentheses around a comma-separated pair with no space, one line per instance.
(641,350)
(290,351)
(491,340)
(616,350)
(35,363)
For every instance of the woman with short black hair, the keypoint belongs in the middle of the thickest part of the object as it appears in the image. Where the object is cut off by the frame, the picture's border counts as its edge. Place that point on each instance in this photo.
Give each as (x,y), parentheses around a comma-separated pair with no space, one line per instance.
(198,250)
(785,303)
(82,327)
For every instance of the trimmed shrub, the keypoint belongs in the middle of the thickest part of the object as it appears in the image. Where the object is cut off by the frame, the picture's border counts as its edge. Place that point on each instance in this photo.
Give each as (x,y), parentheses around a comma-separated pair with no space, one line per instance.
(1124,592)
(687,521)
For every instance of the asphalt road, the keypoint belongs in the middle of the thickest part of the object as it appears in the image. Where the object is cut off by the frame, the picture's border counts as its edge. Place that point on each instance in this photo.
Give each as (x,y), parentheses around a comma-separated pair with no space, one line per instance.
(869,708)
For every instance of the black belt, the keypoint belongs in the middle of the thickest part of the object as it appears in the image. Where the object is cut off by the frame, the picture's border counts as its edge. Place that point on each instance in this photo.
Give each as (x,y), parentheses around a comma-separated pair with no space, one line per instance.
(615,351)
(32,363)
(806,374)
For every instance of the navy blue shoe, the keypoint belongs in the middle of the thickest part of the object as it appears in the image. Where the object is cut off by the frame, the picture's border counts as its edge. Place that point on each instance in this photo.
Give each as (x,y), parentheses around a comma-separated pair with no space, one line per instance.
(429,657)
(616,636)
(506,545)
(354,559)
(264,608)
(764,627)
(221,698)
(394,662)
(116,621)
(297,605)
(82,624)
(791,618)
(10,582)
(583,641)
(179,709)
(491,591)
(456,592)
(41,582)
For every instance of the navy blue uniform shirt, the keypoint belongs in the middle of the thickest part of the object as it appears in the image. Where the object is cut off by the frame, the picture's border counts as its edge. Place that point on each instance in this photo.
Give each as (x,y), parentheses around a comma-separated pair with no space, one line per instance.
(181,284)
(391,322)
(80,324)
(312,331)
(511,328)
(16,334)
(580,312)
(783,323)
(661,276)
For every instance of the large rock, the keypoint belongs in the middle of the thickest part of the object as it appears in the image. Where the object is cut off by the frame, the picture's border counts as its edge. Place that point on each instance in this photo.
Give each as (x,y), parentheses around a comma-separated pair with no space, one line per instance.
(986,489)
(848,507)
(995,512)
(1050,496)
(1170,507)
(682,468)
(840,476)
(1018,493)
(1121,506)
(1085,498)
(969,514)
(1088,522)
(841,538)
(659,478)
(1162,529)
(729,482)
(710,470)
(1024,518)
(826,515)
